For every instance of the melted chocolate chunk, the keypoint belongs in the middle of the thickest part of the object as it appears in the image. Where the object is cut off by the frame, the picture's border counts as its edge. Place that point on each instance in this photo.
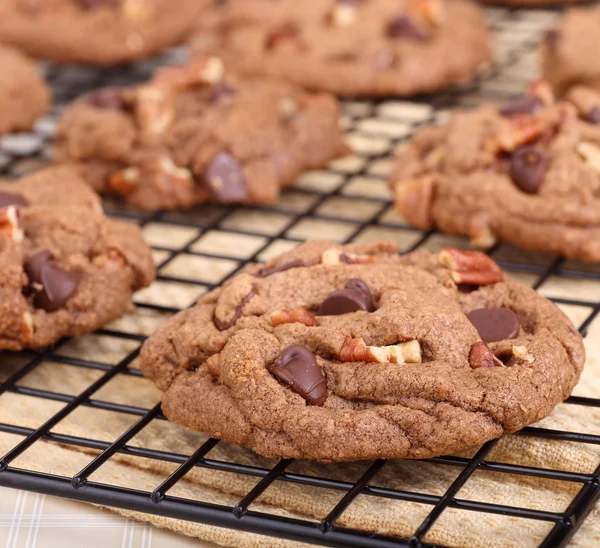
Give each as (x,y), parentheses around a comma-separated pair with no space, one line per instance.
(56,285)
(221,91)
(225,179)
(593,116)
(495,324)
(266,272)
(355,296)
(7,200)
(108,98)
(527,169)
(522,105)
(297,367)
(404,27)
(222,326)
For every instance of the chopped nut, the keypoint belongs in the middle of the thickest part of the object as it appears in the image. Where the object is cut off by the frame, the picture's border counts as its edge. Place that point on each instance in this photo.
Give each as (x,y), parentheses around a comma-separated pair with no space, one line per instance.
(342,15)
(154,109)
(335,256)
(482,235)
(591,154)
(414,200)
(27,326)
(355,350)
(430,12)
(521,353)
(542,89)
(124,181)
(515,132)
(298,315)
(482,356)
(471,267)
(203,70)
(111,256)
(213,364)
(10,223)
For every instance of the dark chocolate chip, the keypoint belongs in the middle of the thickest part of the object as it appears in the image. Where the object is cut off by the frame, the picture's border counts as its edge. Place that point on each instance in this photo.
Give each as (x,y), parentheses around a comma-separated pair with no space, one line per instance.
(221,91)
(297,367)
(527,168)
(237,314)
(56,286)
(225,179)
(495,324)
(108,98)
(404,27)
(265,272)
(522,105)
(286,32)
(7,200)
(593,116)
(355,296)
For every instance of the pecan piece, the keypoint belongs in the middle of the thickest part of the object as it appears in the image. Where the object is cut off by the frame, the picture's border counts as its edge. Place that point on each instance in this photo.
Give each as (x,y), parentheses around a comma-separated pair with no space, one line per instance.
(342,14)
(431,12)
(204,70)
(515,132)
(27,328)
(335,256)
(10,224)
(471,267)
(521,353)
(414,200)
(481,355)
(355,350)
(126,181)
(154,109)
(590,154)
(213,364)
(298,315)
(542,89)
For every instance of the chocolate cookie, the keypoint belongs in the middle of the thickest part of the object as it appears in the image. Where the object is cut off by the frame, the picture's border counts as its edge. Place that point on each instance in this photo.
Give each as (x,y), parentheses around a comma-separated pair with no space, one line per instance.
(354,48)
(353,352)
(24,94)
(66,268)
(526,173)
(568,52)
(193,134)
(103,32)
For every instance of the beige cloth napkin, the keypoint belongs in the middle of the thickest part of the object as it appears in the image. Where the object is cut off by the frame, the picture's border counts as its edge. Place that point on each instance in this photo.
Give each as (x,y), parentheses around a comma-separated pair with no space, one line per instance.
(454,528)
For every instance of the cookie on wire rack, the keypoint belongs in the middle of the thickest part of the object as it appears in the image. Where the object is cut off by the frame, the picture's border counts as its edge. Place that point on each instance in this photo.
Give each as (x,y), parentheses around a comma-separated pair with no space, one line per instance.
(352,352)
(195,133)
(67,269)
(353,48)
(525,173)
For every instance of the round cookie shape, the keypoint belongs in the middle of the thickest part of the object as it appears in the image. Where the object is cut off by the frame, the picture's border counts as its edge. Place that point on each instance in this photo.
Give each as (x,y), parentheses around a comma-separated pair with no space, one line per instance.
(366,48)
(68,268)
(567,58)
(195,133)
(390,382)
(102,32)
(24,94)
(526,173)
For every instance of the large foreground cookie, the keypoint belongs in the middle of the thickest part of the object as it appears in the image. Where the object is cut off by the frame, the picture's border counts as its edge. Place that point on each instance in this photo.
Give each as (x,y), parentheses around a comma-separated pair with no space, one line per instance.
(66,269)
(526,173)
(569,51)
(24,94)
(104,32)
(353,48)
(193,134)
(352,352)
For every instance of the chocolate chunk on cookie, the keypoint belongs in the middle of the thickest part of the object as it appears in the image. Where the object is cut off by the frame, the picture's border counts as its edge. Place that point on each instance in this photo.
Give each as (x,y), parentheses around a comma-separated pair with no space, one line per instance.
(67,268)
(366,48)
(195,134)
(404,365)
(526,173)
(568,57)
(24,94)
(102,32)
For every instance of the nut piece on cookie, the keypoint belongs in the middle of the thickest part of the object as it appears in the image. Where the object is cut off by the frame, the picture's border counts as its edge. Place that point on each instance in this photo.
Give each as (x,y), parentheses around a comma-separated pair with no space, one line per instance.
(197,133)
(417,377)
(72,269)
(471,267)
(336,256)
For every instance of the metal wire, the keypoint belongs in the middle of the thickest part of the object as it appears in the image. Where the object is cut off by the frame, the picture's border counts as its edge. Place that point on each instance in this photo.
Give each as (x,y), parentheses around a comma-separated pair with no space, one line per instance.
(68,83)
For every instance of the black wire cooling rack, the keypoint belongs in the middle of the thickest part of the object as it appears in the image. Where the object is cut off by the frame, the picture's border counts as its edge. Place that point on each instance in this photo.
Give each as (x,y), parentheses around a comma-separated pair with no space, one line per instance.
(375,133)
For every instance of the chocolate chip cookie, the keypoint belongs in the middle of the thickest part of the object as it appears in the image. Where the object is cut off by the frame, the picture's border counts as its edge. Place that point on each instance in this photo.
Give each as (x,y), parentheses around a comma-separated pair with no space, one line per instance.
(24,94)
(103,32)
(66,268)
(526,173)
(356,47)
(194,134)
(568,52)
(353,352)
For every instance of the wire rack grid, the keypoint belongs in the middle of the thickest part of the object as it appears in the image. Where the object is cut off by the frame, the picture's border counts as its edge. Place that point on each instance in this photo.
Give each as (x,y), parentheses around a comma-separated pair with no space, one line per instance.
(347,202)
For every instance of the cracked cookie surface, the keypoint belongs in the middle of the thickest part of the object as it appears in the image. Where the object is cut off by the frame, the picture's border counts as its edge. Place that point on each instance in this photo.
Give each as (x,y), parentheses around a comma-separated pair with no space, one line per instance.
(103,32)
(66,268)
(353,352)
(352,48)
(526,173)
(195,134)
